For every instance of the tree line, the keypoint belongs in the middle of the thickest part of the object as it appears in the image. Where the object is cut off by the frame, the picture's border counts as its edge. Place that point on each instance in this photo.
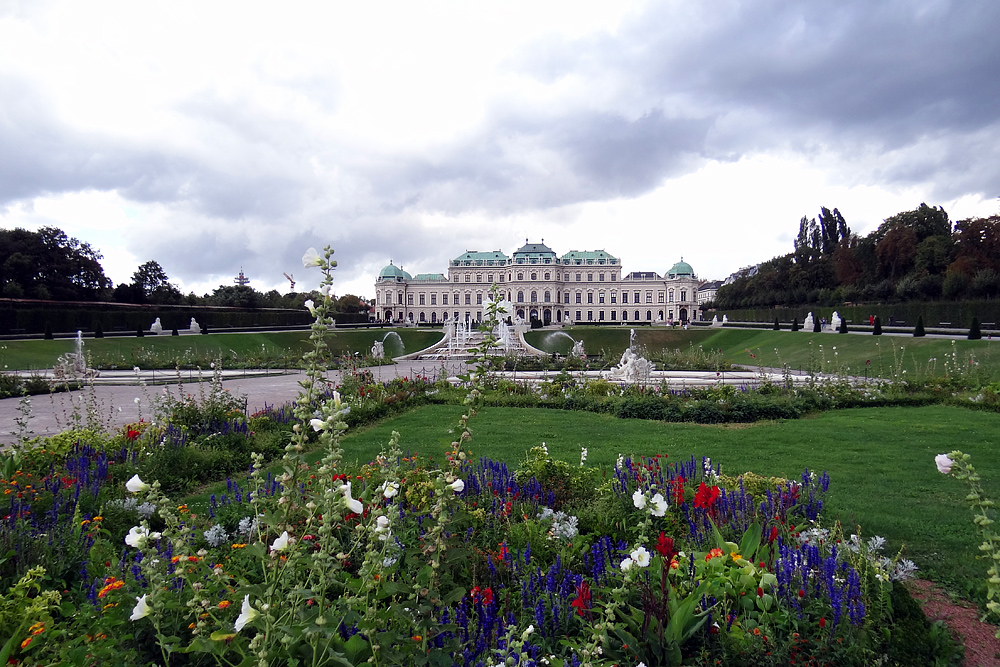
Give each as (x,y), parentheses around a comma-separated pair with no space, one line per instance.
(49,265)
(915,255)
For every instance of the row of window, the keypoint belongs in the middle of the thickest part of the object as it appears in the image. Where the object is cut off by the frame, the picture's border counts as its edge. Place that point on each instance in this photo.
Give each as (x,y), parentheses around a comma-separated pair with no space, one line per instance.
(547,298)
(636,316)
(534,276)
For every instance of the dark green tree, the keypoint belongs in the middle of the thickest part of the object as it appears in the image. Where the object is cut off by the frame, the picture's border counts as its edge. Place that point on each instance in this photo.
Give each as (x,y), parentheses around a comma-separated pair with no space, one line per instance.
(777,327)
(795,324)
(99,331)
(816,325)
(918,331)
(47,264)
(843,325)
(877,330)
(151,284)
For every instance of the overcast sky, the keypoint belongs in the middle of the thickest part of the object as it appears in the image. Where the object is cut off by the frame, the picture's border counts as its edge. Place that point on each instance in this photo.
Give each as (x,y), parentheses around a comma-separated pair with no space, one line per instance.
(211,136)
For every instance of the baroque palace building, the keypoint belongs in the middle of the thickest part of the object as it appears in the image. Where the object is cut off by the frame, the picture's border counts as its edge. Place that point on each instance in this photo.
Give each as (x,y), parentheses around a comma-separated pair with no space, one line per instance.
(586,287)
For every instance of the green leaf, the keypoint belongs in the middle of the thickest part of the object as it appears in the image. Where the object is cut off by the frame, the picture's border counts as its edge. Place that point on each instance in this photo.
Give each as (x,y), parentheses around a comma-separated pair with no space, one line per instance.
(751,541)
(357,650)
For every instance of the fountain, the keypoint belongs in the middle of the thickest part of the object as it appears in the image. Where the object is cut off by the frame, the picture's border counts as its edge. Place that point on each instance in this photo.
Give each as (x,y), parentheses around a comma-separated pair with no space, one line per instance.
(393,334)
(378,350)
(73,364)
(578,350)
(632,368)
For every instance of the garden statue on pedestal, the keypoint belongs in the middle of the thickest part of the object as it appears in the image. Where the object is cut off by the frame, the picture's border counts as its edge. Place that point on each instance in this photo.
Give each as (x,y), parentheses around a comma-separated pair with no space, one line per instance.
(194,327)
(378,350)
(807,324)
(835,321)
(156,327)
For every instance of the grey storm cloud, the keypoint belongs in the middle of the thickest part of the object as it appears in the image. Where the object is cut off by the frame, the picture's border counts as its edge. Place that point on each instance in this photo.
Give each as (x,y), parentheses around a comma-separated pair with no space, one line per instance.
(904,91)
(520,162)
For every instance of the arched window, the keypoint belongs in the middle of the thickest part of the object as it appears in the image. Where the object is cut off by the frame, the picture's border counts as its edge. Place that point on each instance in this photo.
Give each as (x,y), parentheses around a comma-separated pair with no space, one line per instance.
(637,316)
(520,297)
(534,296)
(547,276)
(649,315)
(534,276)
(422,317)
(520,276)
(548,297)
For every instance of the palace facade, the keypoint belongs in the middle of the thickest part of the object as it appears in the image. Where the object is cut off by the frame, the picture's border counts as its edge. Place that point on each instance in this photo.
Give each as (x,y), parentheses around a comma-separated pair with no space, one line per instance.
(579,287)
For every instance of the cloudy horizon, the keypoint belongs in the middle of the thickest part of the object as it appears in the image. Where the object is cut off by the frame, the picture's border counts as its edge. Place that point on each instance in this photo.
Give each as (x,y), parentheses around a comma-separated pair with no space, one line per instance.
(225,136)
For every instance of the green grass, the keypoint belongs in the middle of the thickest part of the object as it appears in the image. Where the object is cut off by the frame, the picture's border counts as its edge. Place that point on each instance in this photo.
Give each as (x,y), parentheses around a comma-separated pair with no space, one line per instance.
(881,461)
(234,348)
(800,350)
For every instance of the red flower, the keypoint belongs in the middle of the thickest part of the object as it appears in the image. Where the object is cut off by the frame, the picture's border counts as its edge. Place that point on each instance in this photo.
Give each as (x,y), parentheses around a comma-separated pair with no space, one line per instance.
(760,592)
(665,546)
(131,435)
(822,622)
(488,596)
(706,496)
(582,601)
(773,536)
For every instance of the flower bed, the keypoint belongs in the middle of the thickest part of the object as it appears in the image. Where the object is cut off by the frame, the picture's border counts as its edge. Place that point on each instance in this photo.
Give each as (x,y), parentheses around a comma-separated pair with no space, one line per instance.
(405,561)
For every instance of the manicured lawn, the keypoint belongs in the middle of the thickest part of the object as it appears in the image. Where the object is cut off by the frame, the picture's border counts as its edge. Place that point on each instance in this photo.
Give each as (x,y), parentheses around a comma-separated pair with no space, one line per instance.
(800,350)
(880,460)
(233,348)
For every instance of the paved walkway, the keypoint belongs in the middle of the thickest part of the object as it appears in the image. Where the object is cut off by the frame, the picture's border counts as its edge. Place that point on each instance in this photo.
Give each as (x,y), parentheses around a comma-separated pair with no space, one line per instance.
(116,405)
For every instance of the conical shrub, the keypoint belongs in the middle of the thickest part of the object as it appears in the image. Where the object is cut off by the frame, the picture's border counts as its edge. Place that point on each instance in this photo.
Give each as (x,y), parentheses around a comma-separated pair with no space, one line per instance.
(877,331)
(918,331)
(974,332)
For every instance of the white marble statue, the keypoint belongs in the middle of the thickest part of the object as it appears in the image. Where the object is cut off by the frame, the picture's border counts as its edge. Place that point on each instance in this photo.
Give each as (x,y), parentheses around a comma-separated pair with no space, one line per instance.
(156,327)
(194,326)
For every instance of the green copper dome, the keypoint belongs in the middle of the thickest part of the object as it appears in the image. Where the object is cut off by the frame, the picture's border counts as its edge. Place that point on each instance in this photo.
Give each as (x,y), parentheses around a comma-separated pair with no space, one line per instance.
(393,272)
(679,269)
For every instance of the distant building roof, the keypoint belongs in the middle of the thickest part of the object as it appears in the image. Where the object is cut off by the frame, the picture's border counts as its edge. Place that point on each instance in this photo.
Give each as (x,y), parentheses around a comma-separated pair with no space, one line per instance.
(642,275)
(476,258)
(681,269)
(429,276)
(580,257)
(393,272)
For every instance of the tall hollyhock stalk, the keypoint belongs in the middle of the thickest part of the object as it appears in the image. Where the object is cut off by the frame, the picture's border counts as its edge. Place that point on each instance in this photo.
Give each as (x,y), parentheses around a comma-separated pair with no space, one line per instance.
(959,464)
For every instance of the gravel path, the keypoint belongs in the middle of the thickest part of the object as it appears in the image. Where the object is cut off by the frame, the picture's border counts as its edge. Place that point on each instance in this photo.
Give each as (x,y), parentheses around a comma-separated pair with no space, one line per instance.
(116,405)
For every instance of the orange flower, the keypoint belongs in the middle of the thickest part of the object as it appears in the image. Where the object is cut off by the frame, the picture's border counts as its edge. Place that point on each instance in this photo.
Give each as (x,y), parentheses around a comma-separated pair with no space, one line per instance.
(714,553)
(26,642)
(224,604)
(417,638)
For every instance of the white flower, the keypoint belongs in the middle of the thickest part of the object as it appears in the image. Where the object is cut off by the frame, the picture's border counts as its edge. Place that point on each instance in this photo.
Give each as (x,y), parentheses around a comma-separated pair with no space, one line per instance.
(136,485)
(626,564)
(336,398)
(527,633)
(457,486)
(247,614)
(640,557)
(352,504)
(135,369)
(141,609)
(326,289)
(317,424)
(311,258)
(943,463)
(659,507)
(388,561)
(639,499)
(381,525)
(280,543)
(311,306)
(136,536)
(389,489)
